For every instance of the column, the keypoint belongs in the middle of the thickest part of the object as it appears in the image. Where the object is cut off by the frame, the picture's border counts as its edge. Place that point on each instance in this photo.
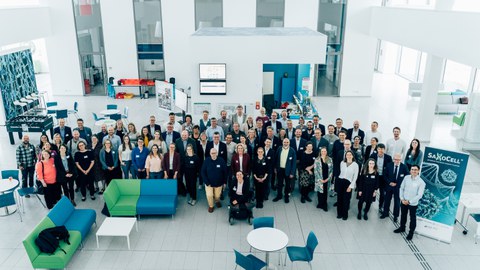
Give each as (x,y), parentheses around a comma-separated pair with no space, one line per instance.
(428,100)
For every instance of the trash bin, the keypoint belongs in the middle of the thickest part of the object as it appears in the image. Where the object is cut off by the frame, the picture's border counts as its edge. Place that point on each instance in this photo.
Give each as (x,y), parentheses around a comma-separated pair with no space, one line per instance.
(145,94)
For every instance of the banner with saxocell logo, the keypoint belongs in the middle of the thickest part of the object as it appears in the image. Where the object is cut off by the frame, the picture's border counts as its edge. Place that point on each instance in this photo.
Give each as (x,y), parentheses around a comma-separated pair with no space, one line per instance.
(443,172)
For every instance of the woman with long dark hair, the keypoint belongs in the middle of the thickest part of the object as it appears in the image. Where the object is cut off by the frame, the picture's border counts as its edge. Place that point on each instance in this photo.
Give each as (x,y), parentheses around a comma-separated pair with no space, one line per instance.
(345,184)
(85,160)
(109,160)
(371,149)
(305,172)
(192,168)
(323,177)
(66,173)
(260,176)
(125,156)
(153,163)
(414,154)
(97,172)
(367,185)
(145,135)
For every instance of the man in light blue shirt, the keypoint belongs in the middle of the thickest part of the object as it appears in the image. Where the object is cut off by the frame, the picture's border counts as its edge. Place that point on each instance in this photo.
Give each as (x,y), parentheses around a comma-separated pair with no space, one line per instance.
(114,138)
(411,191)
(214,128)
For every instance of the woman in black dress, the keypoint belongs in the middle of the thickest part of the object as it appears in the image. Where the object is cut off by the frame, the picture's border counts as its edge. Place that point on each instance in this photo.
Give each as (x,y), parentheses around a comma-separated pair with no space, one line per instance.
(367,185)
(305,172)
(371,149)
(97,172)
(260,175)
(84,160)
(66,173)
(192,167)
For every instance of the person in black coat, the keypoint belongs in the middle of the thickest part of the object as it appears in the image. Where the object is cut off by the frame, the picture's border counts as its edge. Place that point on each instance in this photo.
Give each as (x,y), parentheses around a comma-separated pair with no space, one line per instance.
(240,192)
(357,130)
(285,169)
(318,142)
(382,160)
(270,135)
(152,127)
(191,164)
(393,176)
(367,185)
(174,135)
(67,131)
(222,147)
(308,133)
(66,173)
(270,157)
(371,149)
(260,171)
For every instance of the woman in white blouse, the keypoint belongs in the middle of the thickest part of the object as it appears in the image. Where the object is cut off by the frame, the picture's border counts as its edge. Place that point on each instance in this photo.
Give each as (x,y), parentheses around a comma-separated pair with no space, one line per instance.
(125,156)
(345,184)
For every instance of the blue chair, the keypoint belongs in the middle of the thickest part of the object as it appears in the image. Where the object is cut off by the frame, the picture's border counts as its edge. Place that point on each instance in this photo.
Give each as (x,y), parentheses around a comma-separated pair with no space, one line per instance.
(116,116)
(248,262)
(62,114)
(51,104)
(262,222)
(304,254)
(7,199)
(75,110)
(10,173)
(22,192)
(112,106)
(96,118)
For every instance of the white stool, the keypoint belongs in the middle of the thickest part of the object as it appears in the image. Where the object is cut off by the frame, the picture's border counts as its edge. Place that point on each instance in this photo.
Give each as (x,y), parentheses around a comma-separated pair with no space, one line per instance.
(476,218)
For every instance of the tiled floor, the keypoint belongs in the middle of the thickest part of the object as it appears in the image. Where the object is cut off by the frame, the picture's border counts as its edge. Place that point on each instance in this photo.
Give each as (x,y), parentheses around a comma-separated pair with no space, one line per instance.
(195,239)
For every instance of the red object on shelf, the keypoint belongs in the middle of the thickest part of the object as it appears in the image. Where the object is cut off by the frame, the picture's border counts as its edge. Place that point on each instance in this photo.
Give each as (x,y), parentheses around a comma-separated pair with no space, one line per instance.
(136,82)
(88,89)
(120,95)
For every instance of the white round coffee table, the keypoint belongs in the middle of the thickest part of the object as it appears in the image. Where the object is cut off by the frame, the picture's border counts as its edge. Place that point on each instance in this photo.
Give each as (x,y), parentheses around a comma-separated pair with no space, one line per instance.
(267,240)
(110,112)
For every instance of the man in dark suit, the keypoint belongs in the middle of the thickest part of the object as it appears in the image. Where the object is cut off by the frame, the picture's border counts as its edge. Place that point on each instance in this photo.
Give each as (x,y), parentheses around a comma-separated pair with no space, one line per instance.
(170,136)
(285,166)
(339,126)
(316,124)
(308,133)
(290,130)
(217,144)
(181,144)
(298,143)
(275,140)
(259,130)
(318,142)
(355,131)
(382,161)
(236,133)
(393,175)
(64,131)
(270,157)
(274,123)
(152,127)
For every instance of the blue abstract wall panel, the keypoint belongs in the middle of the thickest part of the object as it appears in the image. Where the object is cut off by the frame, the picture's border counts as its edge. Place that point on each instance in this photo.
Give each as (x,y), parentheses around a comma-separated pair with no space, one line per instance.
(17,79)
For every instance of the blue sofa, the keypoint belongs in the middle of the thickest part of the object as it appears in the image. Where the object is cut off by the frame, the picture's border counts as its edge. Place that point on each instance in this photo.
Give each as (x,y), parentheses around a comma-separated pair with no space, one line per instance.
(141,197)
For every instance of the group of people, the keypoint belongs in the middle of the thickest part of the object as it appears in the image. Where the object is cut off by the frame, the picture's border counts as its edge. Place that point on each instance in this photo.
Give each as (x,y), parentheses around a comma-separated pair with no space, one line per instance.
(226,154)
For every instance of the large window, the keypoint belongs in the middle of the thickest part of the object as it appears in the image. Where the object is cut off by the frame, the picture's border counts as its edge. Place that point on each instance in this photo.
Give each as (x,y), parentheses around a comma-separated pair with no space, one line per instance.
(148,26)
(409,64)
(456,76)
(208,13)
(270,13)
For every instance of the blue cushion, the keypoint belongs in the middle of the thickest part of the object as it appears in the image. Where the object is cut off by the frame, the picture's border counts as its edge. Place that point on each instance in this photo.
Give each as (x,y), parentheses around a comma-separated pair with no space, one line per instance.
(156,205)
(81,220)
(61,212)
(158,187)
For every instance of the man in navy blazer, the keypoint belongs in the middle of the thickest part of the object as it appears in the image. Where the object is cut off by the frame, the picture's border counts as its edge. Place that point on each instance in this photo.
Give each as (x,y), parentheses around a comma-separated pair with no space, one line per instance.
(382,160)
(274,123)
(64,131)
(170,136)
(152,127)
(217,144)
(318,142)
(393,175)
(355,131)
(298,143)
(285,167)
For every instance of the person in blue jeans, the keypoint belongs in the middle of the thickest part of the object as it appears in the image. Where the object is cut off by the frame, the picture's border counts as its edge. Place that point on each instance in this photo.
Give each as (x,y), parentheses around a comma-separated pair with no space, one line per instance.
(139,156)
(125,156)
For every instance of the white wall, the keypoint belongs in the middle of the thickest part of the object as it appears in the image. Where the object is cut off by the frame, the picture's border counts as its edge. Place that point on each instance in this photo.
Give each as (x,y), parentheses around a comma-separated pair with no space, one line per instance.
(244,56)
(301,13)
(23,24)
(62,50)
(239,13)
(119,38)
(359,50)
(453,35)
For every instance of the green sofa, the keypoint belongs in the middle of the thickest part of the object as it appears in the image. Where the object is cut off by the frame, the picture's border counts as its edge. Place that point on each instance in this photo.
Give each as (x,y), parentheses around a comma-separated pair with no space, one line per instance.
(121,197)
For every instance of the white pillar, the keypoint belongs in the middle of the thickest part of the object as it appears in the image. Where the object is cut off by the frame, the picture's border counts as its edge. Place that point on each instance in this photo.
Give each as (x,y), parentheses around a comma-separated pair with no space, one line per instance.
(428,100)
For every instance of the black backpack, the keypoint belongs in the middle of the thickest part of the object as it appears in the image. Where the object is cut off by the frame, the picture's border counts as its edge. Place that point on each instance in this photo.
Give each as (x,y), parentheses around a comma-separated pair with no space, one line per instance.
(49,239)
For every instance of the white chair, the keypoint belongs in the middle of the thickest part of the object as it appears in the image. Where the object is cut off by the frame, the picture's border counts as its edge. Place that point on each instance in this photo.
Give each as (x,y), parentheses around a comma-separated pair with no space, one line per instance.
(476,218)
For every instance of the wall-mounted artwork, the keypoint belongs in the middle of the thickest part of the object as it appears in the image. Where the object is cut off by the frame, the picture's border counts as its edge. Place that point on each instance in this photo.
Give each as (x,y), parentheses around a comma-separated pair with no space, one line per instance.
(17,79)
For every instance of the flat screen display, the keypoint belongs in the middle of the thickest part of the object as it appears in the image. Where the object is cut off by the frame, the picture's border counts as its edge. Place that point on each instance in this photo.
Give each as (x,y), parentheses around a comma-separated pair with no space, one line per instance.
(181,99)
(213,88)
(213,72)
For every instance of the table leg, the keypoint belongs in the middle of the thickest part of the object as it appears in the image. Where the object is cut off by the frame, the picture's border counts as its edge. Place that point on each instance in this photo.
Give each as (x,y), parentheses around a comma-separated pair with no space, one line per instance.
(98,245)
(128,241)
(267,260)
(136,225)
(20,135)
(463,213)
(10,136)
(51,133)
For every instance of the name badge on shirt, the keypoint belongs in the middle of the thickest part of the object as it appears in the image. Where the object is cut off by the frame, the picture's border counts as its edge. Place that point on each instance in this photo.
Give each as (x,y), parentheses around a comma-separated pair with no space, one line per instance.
(301,148)
(331,143)
(221,152)
(67,156)
(218,166)
(31,150)
(226,125)
(290,158)
(191,162)
(313,158)
(264,163)
(269,157)
(372,176)
(237,161)
(113,152)
(401,175)
(85,156)
(235,188)
(66,135)
(137,156)
(88,135)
